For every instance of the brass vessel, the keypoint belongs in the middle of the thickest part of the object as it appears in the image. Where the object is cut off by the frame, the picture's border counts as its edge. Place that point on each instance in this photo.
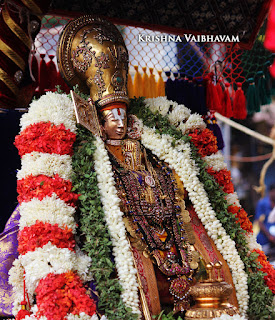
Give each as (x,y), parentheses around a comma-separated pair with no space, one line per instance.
(211,297)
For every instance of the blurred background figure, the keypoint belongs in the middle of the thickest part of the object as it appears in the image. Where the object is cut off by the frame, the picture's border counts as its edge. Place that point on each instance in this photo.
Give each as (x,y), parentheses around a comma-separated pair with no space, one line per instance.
(265,217)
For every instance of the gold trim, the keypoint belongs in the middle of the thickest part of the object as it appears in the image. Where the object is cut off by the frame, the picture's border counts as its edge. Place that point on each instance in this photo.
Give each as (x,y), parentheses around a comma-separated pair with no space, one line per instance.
(9,52)
(33,7)
(16,29)
(8,82)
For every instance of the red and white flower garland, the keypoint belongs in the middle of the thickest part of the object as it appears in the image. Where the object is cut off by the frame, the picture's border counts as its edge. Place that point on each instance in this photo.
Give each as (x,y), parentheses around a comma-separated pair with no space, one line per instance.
(207,147)
(179,159)
(54,267)
(47,205)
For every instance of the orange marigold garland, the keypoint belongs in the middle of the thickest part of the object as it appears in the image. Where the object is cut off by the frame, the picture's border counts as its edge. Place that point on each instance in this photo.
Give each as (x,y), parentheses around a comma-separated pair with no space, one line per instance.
(268,269)
(205,142)
(223,178)
(242,217)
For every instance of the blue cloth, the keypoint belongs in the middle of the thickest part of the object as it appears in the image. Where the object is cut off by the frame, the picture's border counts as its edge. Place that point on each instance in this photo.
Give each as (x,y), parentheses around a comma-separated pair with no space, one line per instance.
(263,207)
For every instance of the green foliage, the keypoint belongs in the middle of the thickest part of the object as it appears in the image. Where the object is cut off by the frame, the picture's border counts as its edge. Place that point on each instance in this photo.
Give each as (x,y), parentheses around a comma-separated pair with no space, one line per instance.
(260,298)
(169,316)
(93,230)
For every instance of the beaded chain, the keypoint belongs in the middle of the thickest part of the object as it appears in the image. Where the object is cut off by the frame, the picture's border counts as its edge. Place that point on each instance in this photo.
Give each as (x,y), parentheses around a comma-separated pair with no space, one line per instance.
(149,200)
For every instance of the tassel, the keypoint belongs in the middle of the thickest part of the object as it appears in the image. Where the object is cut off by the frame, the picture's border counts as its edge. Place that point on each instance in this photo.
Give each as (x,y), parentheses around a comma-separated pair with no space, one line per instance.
(145,83)
(189,95)
(43,80)
(61,82)
(252,97)
(169,86)
(239,103)
(262,87)
(130,86)
(269,42)
(24,312)
(227,104)
(220,95)
(182,89)
(176,84)
(137,83)
(187,100)
(212,98)
(268,78)
(272,70)
(219,87)
(160,85)
(217,132)
(200,93)
(51,73)
(152,84)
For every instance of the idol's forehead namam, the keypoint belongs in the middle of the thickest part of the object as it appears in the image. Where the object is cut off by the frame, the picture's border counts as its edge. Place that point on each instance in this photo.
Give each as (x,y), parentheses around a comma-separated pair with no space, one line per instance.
(92,54)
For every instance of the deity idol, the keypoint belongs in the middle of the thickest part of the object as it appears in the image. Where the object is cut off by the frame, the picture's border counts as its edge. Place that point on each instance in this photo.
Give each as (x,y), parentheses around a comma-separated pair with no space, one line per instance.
(167,250)
(143,222)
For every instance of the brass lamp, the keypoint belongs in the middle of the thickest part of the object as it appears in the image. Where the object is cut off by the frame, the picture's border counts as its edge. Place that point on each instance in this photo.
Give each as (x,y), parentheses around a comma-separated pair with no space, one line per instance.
(211,297)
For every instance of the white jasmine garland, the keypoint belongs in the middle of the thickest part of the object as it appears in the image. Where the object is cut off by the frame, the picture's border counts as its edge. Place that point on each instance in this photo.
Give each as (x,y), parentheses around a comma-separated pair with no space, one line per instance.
(195,121)
(16,274)
(252,242)
(37,163)
(180,160)
(113,216)
(232,199)
(179,114)
(54,107)
(216,161)
(58,109)
(51,210)
(182,127)
(159,104)
(49,259)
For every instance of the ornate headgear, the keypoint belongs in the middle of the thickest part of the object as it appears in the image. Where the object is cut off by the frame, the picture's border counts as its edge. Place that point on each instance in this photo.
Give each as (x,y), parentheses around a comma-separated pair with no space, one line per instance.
(92,54)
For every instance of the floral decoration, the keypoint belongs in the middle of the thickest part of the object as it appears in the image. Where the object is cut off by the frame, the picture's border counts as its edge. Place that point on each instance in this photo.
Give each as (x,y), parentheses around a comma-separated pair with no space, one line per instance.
(223,178)
(45,137)
(268,269)
(40,233)
(55,272)
(60,294)
(41,186)
(205,142)
(245,242)
(54,267)
(242,217)
(179,158)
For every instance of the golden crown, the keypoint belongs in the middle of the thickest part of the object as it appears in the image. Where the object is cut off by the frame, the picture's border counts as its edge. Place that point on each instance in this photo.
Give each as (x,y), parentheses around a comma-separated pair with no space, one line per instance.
(92,53)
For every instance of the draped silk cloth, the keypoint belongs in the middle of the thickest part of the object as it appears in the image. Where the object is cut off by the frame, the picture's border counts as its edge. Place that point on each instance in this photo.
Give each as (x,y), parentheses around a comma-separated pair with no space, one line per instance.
(8,253)
(155,285)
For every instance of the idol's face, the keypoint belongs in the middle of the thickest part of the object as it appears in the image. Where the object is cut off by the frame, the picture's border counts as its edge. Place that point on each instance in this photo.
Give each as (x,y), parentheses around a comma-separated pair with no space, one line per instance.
(115,124)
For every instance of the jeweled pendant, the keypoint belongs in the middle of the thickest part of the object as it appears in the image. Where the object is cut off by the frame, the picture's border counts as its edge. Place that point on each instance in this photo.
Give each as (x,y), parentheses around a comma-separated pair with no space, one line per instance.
(150,181)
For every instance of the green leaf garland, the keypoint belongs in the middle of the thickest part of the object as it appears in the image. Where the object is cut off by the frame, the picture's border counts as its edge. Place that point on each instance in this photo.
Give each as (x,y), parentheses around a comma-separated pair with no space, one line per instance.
(93,231)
